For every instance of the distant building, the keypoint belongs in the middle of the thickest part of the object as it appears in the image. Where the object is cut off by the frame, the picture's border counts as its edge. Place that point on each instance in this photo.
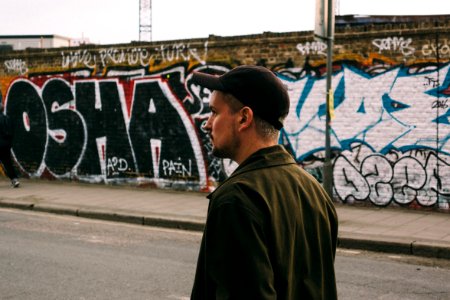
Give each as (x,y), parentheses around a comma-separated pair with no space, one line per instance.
(355,20)
(22,42)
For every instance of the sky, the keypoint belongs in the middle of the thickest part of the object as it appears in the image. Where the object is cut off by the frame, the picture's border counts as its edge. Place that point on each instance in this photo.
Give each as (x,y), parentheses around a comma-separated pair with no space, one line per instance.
(117,21)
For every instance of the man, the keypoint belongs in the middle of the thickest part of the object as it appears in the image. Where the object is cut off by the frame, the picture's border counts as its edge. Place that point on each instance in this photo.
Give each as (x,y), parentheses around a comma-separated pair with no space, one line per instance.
(5,147)
(271,229)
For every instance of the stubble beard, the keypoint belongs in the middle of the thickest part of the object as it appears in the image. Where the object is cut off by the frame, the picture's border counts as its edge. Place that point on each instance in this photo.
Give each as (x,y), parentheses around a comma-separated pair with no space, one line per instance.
(227,151)
(221,153)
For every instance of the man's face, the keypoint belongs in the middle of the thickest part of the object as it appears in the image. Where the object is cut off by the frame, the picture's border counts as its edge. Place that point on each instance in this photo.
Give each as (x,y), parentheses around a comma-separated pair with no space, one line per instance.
(222,126)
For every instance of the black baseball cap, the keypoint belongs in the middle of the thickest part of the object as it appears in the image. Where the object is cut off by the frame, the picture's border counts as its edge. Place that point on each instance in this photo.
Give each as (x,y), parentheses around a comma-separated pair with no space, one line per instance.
(254,86)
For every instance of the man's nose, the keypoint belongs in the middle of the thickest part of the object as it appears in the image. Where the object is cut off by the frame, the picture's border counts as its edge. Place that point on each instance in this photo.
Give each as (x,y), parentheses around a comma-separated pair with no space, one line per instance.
(206,125)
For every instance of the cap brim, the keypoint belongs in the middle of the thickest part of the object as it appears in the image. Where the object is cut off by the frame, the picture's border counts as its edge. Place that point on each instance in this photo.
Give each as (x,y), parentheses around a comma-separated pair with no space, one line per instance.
(209,81)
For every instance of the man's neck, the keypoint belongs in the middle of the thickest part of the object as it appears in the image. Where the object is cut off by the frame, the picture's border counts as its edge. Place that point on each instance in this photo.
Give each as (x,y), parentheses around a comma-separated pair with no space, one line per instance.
(251,146)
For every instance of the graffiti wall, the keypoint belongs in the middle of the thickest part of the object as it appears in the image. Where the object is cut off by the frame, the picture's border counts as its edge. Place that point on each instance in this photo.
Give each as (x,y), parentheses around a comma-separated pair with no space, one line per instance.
(390,134)
(132,115)
(107,129)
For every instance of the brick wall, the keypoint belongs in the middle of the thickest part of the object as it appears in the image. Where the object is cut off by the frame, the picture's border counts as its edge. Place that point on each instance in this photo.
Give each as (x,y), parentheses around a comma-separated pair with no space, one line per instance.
(129,113)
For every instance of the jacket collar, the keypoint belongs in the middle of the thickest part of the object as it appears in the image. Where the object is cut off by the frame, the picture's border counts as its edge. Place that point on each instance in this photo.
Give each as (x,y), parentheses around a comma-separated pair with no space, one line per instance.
(263,158)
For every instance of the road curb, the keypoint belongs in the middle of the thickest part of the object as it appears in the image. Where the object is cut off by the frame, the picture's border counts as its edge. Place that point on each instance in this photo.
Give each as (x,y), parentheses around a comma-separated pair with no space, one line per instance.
(105,215)
(417,248)
(110,216)
(409,248)
(427,250)
(374,245)
(174,224)
(17,205)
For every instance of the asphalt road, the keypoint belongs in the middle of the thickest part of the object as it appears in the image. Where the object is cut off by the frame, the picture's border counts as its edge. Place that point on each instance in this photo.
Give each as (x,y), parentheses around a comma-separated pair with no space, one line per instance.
(46,256)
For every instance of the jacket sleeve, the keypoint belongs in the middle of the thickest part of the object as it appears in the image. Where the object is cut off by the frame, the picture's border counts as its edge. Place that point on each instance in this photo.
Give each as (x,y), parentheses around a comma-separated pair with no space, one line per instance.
(236,256)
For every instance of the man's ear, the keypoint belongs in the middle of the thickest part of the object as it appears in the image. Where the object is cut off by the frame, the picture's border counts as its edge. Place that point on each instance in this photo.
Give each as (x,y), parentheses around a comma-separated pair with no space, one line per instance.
(245,117)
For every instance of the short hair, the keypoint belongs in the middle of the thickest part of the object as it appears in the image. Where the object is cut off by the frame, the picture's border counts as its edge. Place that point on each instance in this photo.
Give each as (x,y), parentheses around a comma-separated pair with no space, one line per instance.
(234,104)
(265,129)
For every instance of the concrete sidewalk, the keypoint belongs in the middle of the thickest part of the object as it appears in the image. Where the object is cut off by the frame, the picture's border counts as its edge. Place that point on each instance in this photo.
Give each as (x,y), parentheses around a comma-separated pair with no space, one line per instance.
(393,230)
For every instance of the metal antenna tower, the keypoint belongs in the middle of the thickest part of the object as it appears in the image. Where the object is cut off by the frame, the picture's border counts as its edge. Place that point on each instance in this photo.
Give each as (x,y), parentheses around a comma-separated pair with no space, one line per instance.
(145,20)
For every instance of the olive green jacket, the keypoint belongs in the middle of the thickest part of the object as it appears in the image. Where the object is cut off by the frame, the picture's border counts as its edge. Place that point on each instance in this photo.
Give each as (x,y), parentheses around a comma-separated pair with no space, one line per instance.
(271,233)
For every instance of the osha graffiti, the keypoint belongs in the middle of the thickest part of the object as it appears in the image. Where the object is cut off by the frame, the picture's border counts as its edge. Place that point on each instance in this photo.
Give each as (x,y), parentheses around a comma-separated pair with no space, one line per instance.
(87,129)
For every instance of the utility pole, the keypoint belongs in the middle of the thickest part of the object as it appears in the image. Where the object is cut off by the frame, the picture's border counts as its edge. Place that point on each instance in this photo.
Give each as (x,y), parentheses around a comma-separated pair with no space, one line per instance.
(324,30)
(145,20)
